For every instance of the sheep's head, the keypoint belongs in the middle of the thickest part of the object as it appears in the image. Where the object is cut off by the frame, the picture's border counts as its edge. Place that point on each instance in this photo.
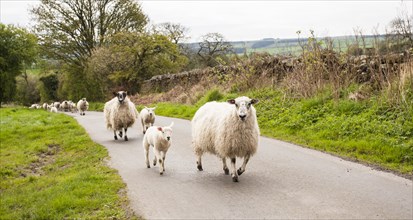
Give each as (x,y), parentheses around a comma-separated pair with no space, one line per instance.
(121,95)
(243,105)
(84,99)
(151,111)
(166,132)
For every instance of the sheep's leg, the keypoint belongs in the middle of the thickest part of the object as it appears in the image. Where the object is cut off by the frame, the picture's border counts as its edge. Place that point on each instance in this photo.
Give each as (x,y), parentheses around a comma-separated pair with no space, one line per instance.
(244,164)
(114,133)
(159,156)
(225,167)
(120,133)
(146,149)
(143,127)
(163,161)
(234,170)
(126,136)
(199,162)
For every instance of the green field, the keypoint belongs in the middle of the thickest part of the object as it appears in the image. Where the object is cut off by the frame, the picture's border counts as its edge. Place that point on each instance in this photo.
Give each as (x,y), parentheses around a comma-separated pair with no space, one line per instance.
(51,169)
(370,132)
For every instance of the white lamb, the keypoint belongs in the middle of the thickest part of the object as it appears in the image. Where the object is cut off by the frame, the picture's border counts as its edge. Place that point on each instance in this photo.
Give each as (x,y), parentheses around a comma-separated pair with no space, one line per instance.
(120,113)
(56,104)
(82,106)
(147,116)
(226,129)
(53,109)
(160,139)
(64,106)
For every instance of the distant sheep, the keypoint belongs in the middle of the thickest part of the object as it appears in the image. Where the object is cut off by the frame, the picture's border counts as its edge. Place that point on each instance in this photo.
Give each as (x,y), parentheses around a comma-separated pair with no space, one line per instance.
(57,105)
(35,106)
(82,106)
(65,106)
(45,106)
(147,116)
(227,129)
(160,139)
(53,109)
(120,113)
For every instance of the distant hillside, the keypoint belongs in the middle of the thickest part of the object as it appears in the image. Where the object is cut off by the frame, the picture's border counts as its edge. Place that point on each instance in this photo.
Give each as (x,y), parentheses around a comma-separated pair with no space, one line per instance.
(287,46)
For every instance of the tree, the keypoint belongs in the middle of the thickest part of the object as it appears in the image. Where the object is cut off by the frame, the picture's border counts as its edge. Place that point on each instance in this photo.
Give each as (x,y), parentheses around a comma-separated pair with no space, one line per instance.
(18,48)
(212,46)
(69,30)
(175,32)
(131,58)
(401,27)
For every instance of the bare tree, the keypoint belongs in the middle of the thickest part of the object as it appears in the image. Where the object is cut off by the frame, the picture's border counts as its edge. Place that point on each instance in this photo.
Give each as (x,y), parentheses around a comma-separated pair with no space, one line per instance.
(175,32)
(401,27)
(213,45)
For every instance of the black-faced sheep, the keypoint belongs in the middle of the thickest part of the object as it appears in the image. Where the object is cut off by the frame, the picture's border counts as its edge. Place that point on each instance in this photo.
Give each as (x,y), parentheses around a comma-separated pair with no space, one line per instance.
(160,139)
(226,129)
(120,114)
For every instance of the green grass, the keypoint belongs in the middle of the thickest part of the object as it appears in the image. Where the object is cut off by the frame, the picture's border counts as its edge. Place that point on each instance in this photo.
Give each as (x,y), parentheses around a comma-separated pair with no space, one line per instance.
(51,169)
(368,131)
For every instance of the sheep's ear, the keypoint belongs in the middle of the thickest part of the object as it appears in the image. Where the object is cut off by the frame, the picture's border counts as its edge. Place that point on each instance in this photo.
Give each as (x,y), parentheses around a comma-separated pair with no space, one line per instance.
(231,101)
(159,129)
(115,93)
(125,94)
(254,101)
(172,124)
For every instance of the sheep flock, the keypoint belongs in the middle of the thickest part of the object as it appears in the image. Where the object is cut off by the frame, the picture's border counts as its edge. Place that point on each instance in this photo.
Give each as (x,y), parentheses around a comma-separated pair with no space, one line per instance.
(228,129)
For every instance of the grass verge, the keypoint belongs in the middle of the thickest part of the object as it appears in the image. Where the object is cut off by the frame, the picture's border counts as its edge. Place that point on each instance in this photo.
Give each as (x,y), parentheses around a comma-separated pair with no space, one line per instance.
(51,169)
(370,131)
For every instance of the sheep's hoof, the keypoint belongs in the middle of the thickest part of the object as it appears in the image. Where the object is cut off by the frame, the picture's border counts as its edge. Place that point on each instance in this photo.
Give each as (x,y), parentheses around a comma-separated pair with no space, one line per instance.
(239,171)
(161,173)
(143,132)
(200,168)
(126,138)
(116,138)
(148,166)
(120,134)
(235,179)
(226,171)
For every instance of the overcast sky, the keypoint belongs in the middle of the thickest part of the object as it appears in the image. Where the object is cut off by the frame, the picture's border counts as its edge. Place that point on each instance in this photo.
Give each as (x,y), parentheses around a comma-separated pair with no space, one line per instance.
(252,20)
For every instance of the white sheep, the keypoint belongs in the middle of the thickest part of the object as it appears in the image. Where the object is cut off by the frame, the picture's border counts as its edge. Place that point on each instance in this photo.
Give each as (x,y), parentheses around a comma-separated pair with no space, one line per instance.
(226,129)
(56,104)
(120,113)
(82,106)
(147,116)
(53,109)
(35,106)
(160,139)
(45,106)
(64,106)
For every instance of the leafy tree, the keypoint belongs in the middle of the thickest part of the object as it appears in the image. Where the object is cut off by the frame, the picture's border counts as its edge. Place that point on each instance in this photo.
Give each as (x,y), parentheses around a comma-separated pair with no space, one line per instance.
(130,58)
(70,30)
(18,49)
(213,47)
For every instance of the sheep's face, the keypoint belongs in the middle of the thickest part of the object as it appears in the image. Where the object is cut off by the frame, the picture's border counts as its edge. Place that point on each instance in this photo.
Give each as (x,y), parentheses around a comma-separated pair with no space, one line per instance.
(243,105)
(151,111)
(121,95)
(166,132)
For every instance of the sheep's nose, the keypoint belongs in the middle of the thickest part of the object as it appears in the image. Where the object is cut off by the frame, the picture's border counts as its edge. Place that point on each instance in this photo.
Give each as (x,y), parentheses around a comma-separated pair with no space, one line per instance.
(169,138)
(242,117)
(150,114)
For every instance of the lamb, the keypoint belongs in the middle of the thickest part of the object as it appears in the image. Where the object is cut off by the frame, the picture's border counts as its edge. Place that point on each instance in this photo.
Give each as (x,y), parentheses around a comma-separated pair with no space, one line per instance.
(120,113)
(160,139)
(82,106)
(53,109)
(227,130)
(147,116)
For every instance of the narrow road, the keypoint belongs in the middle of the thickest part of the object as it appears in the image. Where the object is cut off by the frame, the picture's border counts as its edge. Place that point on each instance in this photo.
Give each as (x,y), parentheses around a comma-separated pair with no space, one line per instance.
(282,181)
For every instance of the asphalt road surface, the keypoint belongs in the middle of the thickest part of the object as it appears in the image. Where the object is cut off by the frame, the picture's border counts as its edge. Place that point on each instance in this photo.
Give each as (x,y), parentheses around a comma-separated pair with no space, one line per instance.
(282,181)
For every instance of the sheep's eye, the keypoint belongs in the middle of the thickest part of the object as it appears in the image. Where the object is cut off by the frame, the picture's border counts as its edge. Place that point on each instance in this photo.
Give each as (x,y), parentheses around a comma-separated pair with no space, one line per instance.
(249,104)
(236,105)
